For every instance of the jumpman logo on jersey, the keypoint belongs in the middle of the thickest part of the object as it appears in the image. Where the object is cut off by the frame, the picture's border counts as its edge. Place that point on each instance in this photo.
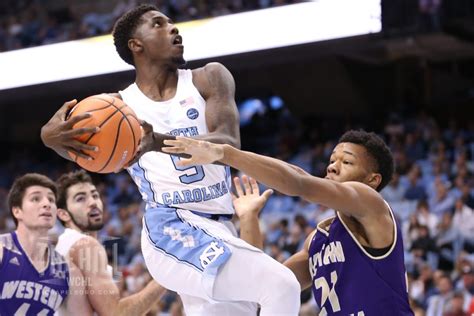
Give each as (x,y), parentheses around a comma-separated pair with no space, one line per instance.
(175,234)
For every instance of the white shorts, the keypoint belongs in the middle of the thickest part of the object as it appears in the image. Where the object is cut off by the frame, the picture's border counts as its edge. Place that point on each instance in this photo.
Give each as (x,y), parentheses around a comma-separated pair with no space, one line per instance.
(215,272)
(184,251)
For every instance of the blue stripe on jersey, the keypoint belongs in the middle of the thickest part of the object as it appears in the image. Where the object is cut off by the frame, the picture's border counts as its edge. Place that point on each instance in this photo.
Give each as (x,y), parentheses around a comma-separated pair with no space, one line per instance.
(138,174)
(228,177)
(184,241)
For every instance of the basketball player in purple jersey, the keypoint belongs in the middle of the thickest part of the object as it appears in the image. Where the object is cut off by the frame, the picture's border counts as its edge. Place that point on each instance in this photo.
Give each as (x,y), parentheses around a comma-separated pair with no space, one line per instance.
(34,278)
(356,262)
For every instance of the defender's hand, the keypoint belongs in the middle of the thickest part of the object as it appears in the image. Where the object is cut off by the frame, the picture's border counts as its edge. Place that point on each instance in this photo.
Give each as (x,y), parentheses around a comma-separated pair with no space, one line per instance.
(248,202)
(59,134)
(202,152)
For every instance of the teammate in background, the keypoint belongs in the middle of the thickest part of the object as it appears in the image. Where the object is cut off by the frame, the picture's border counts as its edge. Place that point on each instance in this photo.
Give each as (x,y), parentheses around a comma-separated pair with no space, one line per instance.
(188,242)
(34,278)
(356,261)
(80,210)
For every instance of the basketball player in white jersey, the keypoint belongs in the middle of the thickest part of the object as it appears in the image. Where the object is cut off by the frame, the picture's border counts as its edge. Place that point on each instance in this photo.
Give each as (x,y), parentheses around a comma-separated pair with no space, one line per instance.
(188,242)
(80,210)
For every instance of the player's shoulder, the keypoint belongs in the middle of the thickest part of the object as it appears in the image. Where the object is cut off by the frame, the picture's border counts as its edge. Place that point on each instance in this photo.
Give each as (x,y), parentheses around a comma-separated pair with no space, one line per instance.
(6,242)
(209,67)
(211,71)
(57,258)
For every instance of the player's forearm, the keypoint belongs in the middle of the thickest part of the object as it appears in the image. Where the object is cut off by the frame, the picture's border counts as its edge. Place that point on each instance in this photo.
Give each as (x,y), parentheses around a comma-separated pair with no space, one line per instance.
(158,139)
(274,173)
(250,231)
(139,303)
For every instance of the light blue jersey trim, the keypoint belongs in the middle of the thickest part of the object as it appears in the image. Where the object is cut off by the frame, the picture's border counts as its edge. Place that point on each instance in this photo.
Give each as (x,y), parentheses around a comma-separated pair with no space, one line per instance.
(144,185)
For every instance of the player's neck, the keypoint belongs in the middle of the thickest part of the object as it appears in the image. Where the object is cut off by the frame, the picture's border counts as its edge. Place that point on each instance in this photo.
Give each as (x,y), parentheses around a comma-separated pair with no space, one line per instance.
(157,84)
(34,242)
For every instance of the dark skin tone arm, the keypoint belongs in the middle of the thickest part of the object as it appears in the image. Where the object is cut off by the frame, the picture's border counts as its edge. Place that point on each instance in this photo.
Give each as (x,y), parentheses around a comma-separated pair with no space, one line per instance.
(213,81)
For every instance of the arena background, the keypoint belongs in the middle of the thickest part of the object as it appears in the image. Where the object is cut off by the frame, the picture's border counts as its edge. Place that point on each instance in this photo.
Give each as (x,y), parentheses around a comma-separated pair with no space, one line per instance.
(412,83)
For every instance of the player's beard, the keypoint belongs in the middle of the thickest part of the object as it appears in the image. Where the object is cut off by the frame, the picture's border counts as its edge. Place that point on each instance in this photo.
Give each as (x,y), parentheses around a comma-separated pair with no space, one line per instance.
(179,61)
(89,227)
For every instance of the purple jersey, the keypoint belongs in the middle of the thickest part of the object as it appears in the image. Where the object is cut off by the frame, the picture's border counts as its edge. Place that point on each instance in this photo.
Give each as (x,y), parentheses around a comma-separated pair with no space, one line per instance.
(24,290)
(349,281)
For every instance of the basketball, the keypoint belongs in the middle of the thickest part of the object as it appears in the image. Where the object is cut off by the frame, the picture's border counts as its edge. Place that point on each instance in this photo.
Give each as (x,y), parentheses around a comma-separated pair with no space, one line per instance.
(118,137)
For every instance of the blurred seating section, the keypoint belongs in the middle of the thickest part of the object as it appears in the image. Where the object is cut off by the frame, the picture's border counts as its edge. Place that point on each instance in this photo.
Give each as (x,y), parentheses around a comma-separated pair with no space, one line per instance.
(28,23)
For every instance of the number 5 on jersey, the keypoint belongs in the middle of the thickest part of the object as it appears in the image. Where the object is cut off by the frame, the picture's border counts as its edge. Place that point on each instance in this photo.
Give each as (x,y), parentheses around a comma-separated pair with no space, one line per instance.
(196,175)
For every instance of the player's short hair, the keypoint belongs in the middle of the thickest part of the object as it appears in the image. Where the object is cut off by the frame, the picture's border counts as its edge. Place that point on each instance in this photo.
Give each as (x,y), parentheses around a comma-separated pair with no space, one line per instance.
(377,149)
(124,29)
(21,184)
(66,181)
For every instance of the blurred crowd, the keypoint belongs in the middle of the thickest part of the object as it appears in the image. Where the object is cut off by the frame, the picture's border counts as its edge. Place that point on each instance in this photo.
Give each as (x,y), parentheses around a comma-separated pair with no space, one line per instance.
(431,194)
(28,23)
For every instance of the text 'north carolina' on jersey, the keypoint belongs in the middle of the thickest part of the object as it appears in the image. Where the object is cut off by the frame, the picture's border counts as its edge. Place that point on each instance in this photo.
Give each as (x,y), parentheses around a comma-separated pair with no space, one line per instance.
(25,290)
(347,280)
(199,188)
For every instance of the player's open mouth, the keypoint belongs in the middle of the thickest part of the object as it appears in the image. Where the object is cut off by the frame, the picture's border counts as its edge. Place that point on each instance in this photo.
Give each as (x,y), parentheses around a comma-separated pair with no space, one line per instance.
(47,215)
(95,214)
(178,40)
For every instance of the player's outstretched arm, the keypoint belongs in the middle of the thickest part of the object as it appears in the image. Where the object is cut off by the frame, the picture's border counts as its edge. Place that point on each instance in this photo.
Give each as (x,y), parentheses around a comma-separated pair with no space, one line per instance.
(247,204)
(59,135)
(102,292)
(352,198)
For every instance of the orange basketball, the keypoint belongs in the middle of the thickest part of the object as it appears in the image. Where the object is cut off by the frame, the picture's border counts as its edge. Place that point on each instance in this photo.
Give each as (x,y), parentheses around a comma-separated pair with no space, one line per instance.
(118,137)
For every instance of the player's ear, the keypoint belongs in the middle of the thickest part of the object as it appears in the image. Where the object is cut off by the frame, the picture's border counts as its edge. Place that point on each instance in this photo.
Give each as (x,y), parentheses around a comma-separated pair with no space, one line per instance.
(374,180)
(17,212)
(63,215)
(135,45)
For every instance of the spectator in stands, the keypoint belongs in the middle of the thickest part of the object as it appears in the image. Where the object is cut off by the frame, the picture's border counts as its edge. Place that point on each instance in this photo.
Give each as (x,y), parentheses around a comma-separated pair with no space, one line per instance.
(415,189)
(446,243)
(437,304)
(394,191)
(425,217)
(441,202)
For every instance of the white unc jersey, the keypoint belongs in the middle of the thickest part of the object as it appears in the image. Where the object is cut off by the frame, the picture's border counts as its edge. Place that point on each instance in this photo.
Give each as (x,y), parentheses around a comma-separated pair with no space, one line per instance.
(161,182)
